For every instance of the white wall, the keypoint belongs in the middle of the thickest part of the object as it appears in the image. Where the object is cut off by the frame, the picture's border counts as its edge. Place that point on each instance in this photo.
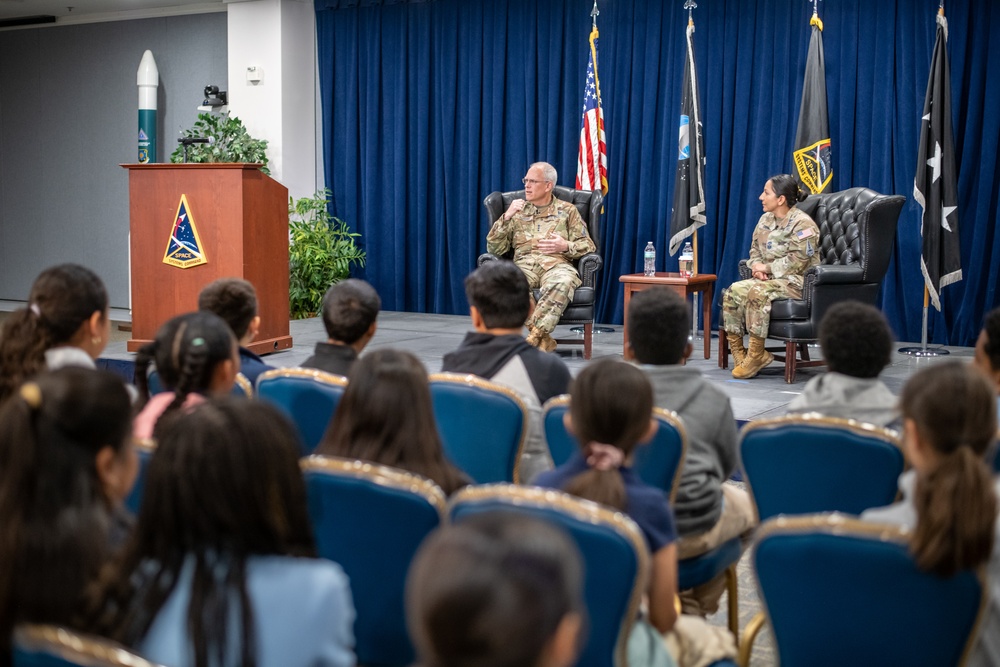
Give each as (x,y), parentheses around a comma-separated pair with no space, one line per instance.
(278,37)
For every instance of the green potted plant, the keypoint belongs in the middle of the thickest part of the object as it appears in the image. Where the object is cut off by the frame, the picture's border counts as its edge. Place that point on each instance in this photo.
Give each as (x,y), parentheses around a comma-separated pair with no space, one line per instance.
(321,251)
(230,142)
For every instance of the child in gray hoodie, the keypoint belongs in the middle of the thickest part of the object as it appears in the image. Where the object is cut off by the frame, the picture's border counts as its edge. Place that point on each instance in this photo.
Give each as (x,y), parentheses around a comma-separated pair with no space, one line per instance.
(857,345)
(708,512)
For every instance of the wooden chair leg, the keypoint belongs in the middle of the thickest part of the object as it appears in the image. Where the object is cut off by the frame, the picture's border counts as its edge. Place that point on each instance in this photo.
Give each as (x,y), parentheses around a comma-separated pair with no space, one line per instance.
(588,339)
(723,349)
(791,356)
(732,585)
(804,351)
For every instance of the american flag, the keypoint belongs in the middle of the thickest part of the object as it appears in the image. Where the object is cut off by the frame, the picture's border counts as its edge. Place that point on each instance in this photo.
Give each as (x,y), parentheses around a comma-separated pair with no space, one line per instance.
(592,164)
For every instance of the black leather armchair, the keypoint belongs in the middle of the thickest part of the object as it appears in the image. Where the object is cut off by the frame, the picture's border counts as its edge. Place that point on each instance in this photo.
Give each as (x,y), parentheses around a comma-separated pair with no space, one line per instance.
(856,228)
(581,310)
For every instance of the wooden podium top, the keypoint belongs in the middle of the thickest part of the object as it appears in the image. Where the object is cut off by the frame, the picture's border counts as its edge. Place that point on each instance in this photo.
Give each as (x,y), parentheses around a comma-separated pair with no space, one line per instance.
(191,165)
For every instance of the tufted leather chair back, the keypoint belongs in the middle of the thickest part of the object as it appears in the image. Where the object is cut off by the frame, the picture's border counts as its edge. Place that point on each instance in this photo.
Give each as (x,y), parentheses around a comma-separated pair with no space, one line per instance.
(852,228)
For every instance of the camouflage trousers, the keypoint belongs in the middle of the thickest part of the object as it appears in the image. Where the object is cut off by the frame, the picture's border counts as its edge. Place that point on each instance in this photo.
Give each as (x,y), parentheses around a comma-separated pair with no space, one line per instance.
(746,305)
(556,286)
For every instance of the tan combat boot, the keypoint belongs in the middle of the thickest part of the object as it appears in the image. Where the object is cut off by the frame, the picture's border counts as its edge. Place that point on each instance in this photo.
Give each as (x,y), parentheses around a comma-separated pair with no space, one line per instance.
(736,347)
(756,359)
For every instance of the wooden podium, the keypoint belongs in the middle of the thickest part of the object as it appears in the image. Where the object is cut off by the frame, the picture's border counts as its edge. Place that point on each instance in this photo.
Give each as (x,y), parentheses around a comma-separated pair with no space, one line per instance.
(236,223)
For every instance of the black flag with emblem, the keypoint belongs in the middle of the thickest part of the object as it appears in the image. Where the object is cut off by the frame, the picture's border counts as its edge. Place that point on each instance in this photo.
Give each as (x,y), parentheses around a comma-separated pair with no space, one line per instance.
(935,185)
(688,213)
(813,153)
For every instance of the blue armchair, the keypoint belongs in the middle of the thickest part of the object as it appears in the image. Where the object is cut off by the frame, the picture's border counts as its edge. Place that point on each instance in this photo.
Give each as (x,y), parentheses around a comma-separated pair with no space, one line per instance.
(309,397)
(54,646)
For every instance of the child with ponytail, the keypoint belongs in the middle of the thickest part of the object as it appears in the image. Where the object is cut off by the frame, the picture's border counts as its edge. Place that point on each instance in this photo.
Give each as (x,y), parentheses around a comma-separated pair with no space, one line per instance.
(66,465)
(949,496)
(65,323)
(196,355)
(611,413)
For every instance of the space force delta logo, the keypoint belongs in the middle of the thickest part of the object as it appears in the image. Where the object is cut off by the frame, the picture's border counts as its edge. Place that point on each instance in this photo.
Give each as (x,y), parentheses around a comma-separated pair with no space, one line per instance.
(813,165)
(184,247)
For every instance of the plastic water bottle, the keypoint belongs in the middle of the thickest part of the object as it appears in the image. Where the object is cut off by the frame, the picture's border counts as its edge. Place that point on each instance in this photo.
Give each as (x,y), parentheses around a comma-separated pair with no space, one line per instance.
(687,260)
(649,260)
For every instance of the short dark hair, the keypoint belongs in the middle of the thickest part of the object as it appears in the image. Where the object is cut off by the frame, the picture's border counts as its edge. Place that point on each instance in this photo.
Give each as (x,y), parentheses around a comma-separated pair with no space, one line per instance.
(991,325)
(349,308)
(500,292)
(856,339)
(493,590)
(659,320)
(232,299)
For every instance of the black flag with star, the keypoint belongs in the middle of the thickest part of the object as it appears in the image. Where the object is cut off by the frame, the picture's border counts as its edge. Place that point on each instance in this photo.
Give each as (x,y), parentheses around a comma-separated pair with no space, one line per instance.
(688,213)
(813,152)
(935,186)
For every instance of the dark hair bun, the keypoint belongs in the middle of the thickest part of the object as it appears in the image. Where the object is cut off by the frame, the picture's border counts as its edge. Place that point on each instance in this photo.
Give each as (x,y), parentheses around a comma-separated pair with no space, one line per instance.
(801,195)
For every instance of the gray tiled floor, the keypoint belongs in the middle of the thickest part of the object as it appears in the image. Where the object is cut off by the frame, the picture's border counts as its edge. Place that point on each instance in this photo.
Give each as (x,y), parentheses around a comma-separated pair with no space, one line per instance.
(430,337)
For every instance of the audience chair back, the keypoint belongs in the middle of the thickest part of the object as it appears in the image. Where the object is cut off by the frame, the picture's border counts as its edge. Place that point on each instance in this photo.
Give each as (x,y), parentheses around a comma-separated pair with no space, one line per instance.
(145,449)
(242,388)
(482,425)
(658,463)
(562,445)
(54,646)
(580,310)
(839,591)
(370,519)
(309,398)
(802,464)
(616,563)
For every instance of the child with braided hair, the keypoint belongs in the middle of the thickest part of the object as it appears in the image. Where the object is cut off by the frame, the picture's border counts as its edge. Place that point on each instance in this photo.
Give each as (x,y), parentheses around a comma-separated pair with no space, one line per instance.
(196,356)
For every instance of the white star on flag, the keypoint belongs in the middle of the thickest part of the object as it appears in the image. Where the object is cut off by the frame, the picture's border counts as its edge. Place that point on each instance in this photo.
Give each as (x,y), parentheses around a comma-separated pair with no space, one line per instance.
(935,162)
(945,212)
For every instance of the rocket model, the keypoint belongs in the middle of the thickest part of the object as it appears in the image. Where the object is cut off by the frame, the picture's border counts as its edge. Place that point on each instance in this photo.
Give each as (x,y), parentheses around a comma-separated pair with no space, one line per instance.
(148,80)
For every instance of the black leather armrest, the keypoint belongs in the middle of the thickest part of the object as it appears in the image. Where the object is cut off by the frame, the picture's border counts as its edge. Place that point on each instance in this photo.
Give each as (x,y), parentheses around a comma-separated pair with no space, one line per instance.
(486,257)
(588,266)
(837,274)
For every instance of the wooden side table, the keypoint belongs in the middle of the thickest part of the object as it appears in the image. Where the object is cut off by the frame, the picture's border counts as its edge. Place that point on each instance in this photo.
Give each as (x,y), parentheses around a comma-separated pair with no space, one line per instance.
(702,282)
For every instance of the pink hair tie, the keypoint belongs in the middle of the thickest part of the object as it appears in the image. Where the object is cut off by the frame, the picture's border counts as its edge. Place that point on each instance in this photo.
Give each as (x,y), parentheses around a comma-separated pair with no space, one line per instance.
(33,307)
(604,457)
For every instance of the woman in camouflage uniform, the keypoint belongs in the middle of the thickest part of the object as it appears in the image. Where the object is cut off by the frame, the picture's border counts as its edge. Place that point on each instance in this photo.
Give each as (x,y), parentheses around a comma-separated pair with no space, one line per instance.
(785,244)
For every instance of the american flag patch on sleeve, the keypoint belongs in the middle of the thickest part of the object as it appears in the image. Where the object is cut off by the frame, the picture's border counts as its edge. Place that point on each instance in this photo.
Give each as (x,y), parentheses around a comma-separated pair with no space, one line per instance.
(805,233)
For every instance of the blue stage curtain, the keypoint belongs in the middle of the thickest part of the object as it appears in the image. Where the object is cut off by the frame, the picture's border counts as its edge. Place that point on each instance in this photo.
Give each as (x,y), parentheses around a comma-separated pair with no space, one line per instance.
(429,106)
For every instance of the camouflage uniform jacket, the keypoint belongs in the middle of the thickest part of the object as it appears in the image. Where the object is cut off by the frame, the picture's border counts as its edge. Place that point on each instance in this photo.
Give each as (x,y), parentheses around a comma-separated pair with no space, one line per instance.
(533,223)
(788,247)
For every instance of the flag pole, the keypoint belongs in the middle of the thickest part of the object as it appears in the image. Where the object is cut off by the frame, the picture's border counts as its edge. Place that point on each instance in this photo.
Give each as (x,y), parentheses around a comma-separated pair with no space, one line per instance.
(691,5)
(923,350)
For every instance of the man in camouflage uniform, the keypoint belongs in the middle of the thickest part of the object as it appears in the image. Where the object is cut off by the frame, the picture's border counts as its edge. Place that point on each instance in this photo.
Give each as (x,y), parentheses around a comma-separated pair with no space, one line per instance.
(545,235)
(785,244)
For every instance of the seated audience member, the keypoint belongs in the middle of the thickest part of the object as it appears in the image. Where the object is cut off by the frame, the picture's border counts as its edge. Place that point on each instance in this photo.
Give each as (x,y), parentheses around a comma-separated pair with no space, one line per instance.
(611,414)
(987,357)
(857,345)
(949,495)
(196,356)
(499,303)
(708,511)
(386,417)
(66,465)
(222,566)
(350,314)
(65,323)
(235,301)
(498,589)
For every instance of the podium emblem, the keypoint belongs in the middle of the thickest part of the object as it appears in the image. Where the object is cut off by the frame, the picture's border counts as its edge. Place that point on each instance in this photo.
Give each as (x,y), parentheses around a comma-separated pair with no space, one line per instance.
(184,246)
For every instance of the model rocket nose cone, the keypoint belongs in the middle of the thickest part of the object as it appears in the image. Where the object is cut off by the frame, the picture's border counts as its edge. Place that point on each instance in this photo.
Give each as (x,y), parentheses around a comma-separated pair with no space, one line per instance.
(148,75)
